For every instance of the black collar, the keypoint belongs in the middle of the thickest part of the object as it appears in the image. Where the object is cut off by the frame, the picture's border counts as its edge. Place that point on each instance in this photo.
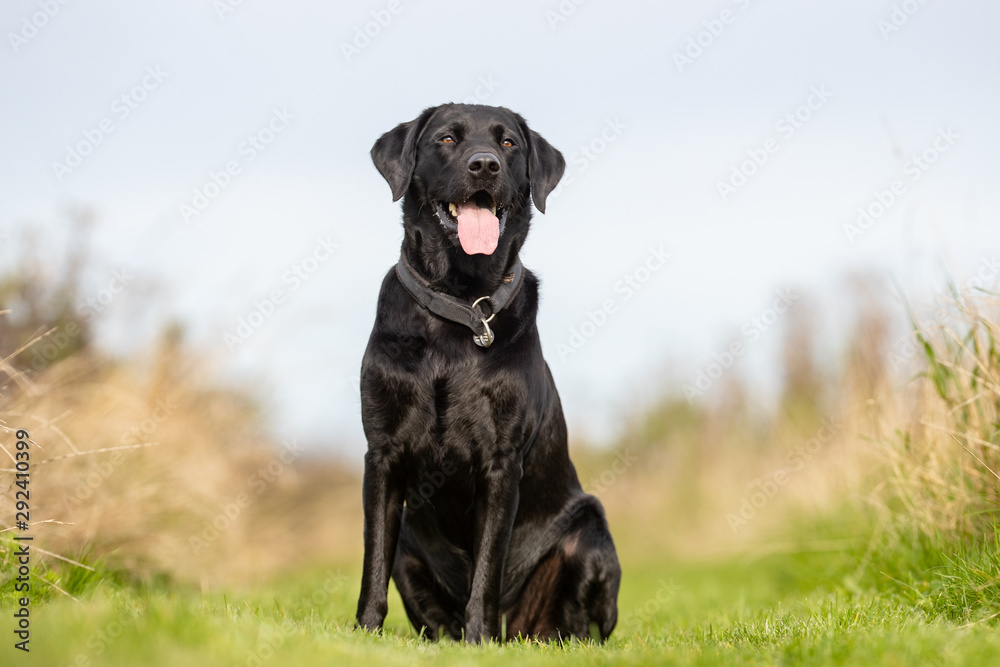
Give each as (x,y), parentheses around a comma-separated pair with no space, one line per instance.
(458,311)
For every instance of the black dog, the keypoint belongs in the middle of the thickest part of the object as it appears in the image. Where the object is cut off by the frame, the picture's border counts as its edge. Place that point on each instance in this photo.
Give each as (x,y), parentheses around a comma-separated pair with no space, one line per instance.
(471,501)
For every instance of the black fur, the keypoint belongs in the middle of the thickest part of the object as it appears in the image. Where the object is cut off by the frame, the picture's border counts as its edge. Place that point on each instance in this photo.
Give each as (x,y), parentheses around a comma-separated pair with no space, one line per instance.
(471,528)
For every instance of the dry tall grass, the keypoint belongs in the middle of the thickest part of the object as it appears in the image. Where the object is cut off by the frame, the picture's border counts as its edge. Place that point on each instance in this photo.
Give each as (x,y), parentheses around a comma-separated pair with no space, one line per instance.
(150,463)
(157,470)
(942,453)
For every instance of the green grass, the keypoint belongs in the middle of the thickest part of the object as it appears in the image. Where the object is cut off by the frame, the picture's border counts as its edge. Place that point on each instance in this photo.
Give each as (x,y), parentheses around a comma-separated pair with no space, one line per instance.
(786,609)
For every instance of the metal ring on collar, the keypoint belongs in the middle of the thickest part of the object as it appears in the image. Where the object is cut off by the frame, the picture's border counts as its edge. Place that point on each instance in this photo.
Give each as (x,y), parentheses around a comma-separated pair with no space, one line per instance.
(492,305)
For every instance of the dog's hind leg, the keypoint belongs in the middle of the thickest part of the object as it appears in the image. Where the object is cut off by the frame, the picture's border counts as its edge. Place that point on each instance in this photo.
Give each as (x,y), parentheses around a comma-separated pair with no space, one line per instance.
(574,589)
(594,576)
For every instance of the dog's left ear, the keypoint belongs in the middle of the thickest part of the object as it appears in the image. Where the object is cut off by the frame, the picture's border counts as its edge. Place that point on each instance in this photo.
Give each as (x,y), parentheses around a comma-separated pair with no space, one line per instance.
(545,166)
(395,153)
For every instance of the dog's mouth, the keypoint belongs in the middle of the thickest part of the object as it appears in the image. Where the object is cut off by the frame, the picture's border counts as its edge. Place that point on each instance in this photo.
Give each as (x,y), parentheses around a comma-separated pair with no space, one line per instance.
(479,221)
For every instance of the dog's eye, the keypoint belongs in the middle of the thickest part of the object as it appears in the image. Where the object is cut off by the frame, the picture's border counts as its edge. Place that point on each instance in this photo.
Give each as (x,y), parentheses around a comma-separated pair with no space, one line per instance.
(447,139)
(508,143)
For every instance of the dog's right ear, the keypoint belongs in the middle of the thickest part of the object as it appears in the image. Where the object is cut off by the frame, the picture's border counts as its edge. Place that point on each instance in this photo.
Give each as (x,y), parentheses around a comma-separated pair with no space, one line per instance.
(395,153)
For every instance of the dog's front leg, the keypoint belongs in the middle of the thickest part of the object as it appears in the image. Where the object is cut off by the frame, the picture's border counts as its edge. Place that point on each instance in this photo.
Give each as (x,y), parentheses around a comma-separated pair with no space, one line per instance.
(496,505)
(382,497)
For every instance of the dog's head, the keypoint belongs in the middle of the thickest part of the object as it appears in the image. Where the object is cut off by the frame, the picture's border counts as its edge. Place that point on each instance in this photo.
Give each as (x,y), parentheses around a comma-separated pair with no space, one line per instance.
(468,171)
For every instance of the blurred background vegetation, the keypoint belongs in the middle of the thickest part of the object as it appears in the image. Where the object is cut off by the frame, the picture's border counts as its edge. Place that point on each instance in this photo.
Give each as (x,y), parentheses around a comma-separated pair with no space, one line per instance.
(150,466)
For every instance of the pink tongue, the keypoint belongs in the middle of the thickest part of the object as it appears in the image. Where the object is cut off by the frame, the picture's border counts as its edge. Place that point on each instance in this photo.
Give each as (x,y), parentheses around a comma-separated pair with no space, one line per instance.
(478,229)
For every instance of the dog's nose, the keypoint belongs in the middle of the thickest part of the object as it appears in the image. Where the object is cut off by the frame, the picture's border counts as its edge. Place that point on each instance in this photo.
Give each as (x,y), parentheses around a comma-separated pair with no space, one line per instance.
(484,165)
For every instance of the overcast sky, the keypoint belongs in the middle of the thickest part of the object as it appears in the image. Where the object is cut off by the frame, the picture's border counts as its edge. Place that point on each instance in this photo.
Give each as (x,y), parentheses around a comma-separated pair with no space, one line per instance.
(224,148)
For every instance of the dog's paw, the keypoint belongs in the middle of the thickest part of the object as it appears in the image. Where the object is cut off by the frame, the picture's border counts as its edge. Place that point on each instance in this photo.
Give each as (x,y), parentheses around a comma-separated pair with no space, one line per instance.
(367,629)
(369,622)
(477,632)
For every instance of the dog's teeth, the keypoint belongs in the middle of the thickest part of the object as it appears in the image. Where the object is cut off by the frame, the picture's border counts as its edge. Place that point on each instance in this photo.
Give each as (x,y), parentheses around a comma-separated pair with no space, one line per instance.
(453,209)
(493,207)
